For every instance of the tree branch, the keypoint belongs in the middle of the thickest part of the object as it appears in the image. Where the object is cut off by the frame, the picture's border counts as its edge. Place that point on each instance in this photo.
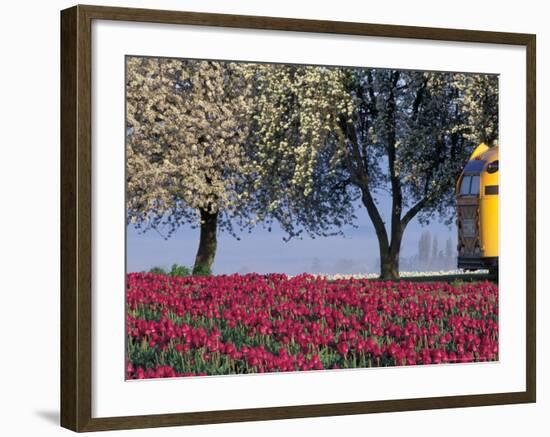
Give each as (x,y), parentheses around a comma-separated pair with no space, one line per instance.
(376,218)
(416,209)
(358,176)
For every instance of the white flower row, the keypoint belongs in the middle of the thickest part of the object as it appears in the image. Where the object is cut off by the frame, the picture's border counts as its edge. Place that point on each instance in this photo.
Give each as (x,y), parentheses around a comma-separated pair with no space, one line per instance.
(404,275)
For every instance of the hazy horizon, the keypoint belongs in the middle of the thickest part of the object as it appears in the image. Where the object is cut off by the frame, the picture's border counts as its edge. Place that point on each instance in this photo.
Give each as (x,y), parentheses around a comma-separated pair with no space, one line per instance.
(265,252)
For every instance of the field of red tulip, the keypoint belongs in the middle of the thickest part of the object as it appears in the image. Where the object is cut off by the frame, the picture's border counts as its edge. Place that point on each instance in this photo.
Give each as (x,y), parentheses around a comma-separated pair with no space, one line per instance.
(230,324)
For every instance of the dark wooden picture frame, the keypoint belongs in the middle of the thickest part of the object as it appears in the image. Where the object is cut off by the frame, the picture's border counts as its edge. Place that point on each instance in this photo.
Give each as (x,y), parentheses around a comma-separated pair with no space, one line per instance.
(76,217)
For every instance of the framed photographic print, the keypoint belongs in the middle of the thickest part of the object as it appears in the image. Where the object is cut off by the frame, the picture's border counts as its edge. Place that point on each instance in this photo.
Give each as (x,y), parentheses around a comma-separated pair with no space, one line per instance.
(311,210)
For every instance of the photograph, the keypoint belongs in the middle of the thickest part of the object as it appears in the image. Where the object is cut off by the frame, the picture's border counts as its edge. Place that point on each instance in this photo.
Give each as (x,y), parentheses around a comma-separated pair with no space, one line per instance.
(289,217)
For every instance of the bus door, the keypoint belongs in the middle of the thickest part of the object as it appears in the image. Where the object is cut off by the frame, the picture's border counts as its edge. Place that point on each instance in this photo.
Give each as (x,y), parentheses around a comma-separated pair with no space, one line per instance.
(469,250)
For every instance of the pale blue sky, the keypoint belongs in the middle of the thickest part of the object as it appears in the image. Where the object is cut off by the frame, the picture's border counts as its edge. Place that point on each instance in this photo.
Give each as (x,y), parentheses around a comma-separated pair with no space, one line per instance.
(263,252)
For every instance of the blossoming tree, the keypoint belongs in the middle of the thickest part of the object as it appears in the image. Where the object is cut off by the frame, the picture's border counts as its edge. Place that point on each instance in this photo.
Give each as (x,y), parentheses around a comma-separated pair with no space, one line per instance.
(356,132)
(187,122)
(412,133)
(298,178)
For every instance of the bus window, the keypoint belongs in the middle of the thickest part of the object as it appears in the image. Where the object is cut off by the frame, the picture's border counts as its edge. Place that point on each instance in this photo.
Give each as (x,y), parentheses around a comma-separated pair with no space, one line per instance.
(465,185)
(474,188)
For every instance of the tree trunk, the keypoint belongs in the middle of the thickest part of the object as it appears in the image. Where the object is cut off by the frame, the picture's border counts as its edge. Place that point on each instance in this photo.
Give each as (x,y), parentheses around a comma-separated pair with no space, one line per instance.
(389,260)
(208,243)
(389,268)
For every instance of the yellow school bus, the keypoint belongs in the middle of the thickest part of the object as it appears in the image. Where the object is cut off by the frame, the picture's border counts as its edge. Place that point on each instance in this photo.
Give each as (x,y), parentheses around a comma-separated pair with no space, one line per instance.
(477,209)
